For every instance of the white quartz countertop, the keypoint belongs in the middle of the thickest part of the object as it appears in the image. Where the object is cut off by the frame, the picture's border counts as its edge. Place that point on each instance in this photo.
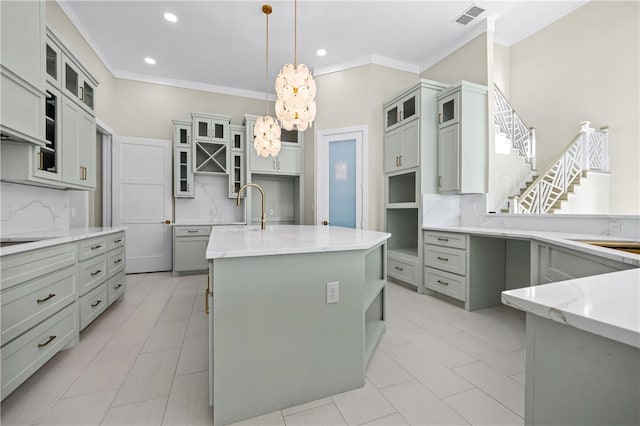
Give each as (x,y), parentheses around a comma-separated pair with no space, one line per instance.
(569,240)
(50,237)
(248,241)
(607,305)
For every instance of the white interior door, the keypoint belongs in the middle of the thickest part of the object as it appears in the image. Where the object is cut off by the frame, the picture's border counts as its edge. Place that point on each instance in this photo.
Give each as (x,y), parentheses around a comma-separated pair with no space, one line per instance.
(340,184)
(142,181)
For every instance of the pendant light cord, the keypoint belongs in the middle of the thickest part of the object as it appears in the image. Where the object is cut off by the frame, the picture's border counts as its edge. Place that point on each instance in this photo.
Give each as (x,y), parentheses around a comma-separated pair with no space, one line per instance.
(266,71)
(295,33)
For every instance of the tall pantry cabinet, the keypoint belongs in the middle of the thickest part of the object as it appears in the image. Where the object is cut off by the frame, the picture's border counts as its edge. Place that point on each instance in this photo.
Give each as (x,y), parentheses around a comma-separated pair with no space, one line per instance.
(410,164)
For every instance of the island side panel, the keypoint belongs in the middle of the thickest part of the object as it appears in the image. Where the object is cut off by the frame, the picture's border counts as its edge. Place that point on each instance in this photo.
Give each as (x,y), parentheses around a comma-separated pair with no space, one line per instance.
(578,378)
(276,342)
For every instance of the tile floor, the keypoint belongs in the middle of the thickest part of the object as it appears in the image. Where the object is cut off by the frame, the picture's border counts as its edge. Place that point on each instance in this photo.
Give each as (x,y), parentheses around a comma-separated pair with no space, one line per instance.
(144,362)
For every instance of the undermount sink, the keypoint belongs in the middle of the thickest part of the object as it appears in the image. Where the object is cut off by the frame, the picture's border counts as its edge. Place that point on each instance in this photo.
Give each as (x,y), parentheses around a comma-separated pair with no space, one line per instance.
(628,246)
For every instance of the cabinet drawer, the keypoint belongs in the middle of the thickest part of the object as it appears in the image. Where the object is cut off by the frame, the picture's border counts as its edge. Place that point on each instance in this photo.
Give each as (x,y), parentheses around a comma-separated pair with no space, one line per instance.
(92,272)
(446,239)
(91,247)
(401,270)
(115,262)
(21,267)
(194,231)
(448,259)
(26,305)
(25,354)
(116,286)
(115,241)
(93,304)
(443,282)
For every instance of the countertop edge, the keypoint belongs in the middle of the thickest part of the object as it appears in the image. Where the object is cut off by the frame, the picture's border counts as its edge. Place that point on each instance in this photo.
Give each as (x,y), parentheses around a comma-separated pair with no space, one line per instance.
(82,234)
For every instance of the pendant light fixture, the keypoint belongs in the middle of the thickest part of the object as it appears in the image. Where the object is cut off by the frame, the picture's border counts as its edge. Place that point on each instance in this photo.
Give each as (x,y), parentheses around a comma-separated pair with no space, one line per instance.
(266,130)
(296,89)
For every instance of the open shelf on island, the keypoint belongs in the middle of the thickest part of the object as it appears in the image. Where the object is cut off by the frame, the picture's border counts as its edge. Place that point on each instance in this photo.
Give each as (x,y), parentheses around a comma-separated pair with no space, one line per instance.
(372,331)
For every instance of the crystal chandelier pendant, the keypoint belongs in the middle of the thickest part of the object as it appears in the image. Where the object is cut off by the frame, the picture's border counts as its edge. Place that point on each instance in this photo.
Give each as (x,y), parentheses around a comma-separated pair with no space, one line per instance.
(296,91)
(266,131)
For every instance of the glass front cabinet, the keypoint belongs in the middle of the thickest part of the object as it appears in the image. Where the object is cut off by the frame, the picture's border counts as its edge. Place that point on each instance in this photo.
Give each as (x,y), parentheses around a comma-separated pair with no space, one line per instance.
(402,111)
(183,181)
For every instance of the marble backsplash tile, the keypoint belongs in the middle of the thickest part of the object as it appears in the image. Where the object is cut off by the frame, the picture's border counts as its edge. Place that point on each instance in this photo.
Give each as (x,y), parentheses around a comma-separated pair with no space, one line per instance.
(440,210)
(210,205)
(27,208)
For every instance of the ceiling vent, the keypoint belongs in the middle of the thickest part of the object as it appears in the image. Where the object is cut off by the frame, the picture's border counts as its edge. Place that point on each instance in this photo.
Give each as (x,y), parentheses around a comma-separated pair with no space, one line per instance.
(469,15)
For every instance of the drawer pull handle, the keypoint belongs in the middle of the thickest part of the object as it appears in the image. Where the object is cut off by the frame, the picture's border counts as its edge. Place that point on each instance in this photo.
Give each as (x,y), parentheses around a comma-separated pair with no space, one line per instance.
(117,287)
(96,247)
(117,241)
(191,231)
(42,345)
(117,261)
(93,305)
(442,239)
(443,259)
(95,273)
(46,298)
(443,282)
(206,296)
(399,268)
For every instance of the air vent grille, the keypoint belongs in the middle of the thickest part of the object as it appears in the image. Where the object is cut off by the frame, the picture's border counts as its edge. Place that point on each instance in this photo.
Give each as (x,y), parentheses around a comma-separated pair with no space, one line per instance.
(469,14)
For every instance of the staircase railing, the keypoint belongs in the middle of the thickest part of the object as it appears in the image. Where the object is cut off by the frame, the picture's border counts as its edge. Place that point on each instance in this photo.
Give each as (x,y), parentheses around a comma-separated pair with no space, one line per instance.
(587,151)
(523,138)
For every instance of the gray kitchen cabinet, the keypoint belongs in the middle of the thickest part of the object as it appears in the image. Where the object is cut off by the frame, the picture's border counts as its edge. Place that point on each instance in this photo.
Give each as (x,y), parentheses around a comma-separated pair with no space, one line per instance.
(183,185)
(49,294)
(190,247)
(210,146)
(22,79)
(402,147)
(553,263)
(462,139)
(446,263)
(67,159)
(288,162)
(409,165)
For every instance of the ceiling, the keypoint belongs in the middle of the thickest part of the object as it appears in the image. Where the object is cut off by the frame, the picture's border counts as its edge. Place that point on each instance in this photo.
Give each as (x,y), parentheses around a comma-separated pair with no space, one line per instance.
(220,45)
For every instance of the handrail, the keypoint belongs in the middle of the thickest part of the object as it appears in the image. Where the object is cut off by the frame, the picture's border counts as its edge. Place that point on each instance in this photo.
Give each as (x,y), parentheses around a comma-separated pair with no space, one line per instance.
(523,138)
(587,151)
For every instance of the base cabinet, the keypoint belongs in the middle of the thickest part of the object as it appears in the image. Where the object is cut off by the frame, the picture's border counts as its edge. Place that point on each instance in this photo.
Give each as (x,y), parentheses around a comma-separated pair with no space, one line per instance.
(190,247)
(49,294)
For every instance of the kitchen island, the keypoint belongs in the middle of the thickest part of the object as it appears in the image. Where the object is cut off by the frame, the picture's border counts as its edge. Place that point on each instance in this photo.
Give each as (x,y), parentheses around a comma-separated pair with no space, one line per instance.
(294,314)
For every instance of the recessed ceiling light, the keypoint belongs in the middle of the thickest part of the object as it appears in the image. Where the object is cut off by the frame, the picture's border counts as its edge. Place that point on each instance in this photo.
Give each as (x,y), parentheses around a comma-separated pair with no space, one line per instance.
(150,61)
(170,17)
(321,52)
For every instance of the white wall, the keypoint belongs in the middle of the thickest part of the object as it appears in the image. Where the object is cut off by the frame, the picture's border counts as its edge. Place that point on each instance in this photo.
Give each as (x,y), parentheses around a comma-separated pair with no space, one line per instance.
(585,66)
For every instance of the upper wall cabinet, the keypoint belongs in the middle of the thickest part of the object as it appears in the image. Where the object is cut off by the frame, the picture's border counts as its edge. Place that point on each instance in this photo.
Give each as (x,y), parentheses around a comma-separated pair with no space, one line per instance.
(402,111)
(211,128)
(462,139)
(22,81)
(67,159)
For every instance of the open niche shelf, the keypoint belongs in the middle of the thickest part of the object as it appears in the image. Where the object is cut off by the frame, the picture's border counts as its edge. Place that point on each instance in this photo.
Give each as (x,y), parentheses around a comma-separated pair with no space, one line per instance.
(401,190)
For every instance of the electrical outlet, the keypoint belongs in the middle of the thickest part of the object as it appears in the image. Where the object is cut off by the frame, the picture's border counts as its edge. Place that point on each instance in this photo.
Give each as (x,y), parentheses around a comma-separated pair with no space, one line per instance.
(333,292)
(271,212)
(615,227)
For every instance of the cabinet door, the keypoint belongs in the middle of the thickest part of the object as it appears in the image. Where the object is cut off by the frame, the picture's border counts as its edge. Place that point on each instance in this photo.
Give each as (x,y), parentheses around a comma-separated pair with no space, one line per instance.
(448,110)
(183,184)
(236,174)
(189,254)
(448,159)
(237,138)
(47,164)
(78,145)
(262,164)
(289,161)
(410,106)
(211,129)
(391,150)
(53,63)
(409,145)
(182,135)
(391,116)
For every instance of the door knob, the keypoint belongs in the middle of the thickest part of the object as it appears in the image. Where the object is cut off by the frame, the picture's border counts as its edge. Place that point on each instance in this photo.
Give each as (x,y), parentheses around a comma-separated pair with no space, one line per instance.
(167,222)
(325,222)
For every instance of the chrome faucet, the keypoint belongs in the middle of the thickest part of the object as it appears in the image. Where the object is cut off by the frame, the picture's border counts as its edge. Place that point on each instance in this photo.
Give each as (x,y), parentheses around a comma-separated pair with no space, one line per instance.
(263,219)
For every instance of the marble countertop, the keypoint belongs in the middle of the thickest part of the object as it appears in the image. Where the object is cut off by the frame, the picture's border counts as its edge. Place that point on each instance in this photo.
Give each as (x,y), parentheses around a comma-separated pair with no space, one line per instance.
(607,305)
(50,237)
(197,223)
(248,241)
(569,240)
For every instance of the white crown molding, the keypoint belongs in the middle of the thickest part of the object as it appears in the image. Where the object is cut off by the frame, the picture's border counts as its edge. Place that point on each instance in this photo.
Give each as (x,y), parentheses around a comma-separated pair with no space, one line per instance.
(448,50)
(367,60)
(184,84)
(84,33)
